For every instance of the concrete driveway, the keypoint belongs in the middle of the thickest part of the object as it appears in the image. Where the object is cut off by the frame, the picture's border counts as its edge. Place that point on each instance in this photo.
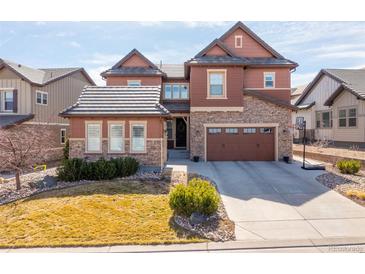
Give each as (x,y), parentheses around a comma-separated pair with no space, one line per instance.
(277,201)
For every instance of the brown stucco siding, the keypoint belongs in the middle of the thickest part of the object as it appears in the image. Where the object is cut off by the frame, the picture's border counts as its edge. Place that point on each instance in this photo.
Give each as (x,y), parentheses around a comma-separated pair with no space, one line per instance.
(250,47)
(123,80)
(254,78)
(154,125)
(135,61)
(254,111)
(199,87)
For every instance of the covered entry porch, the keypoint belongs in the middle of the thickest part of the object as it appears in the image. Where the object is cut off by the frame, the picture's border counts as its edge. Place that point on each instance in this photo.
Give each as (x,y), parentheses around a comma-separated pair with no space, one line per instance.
(178,135)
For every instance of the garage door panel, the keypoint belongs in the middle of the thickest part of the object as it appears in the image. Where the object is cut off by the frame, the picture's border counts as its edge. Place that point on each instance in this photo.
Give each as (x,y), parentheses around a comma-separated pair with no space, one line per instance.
(256,146)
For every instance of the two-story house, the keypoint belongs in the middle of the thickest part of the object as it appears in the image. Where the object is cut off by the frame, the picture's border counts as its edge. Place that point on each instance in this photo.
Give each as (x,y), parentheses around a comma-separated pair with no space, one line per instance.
(229,102)
(32,99)
(333,105)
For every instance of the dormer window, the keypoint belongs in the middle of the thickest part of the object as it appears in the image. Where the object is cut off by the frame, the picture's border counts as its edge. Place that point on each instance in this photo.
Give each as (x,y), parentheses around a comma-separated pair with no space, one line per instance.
(134,83)
(269,79)
(238,41)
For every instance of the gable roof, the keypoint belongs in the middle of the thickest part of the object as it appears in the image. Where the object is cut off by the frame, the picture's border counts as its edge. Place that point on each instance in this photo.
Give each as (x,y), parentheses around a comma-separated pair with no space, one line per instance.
(254,36)
(129,55)
(352,80)
(117,101)
(215,42)
(41,77)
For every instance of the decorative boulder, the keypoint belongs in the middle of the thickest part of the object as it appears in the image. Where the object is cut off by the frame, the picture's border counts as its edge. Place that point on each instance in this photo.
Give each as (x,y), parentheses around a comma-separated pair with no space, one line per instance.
(197,218)
(49,181)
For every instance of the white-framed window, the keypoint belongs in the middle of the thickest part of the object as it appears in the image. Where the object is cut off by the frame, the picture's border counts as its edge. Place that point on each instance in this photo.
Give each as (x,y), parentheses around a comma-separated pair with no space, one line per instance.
(324,119)
(134,83)
(214,130)
(7,101)
(231,130)
(249,130)
(169,129)
(217,84)
(176,91)
(269,79)
(116,137)
(93,136)
(138,133)
(41,97)
(63,136)
(347,117)
(238,41)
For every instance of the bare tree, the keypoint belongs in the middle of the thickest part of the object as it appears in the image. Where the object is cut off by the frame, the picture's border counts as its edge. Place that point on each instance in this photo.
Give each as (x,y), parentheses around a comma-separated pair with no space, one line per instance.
(23,147)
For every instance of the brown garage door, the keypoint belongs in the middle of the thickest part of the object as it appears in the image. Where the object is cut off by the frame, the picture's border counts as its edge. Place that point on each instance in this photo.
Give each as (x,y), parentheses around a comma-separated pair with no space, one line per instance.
(240,144)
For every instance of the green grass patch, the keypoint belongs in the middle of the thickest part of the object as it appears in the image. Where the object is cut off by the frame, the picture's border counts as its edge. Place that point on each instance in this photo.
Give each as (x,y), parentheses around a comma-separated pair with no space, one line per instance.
(100,213)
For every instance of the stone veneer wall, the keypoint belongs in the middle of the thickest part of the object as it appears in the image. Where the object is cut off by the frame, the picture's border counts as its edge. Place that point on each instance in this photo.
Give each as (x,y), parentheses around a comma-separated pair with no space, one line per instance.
(56,148)
(254,111)
(151,158)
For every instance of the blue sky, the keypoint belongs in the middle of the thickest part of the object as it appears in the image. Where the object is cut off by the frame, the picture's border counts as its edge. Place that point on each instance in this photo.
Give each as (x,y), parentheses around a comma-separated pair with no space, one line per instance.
(98,45)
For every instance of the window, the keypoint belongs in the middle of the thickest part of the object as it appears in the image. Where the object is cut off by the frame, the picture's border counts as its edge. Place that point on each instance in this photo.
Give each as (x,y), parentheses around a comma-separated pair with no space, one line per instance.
(138,131)
(323,119)
(249,130)
(232,130)
(318,119)
(238,41)
(269,79)
(214,130)
(169,129)
(41,97)
(134,83)
(216,84)
(266,130)
(347,117)
(176,91)
(63,136)
(116,137)
(8,101)
(93,135)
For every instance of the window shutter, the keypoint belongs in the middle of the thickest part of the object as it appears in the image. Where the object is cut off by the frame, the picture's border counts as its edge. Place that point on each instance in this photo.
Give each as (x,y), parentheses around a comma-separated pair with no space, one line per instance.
(15,100)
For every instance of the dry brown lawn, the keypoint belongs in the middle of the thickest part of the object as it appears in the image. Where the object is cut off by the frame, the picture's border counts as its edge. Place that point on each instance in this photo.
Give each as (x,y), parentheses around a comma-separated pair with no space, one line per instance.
(101,213)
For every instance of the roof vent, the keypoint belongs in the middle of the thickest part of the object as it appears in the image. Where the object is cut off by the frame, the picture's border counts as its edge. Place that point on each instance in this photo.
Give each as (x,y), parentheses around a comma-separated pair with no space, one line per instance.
(19,65)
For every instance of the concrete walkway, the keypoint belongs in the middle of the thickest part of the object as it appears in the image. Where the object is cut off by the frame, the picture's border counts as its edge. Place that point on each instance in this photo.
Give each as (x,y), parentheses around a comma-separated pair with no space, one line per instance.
(279,201)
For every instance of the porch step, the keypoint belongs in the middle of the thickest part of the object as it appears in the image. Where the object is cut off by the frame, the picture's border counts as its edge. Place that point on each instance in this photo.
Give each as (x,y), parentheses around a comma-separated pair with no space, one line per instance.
(178,154)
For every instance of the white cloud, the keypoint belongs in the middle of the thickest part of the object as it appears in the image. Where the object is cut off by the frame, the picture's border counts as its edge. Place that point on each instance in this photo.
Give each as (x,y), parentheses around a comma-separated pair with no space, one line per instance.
(65,34)
(74,44)
(103,59)
(299,79)
(40,23)
(95,74)
(150,23)
(343,54)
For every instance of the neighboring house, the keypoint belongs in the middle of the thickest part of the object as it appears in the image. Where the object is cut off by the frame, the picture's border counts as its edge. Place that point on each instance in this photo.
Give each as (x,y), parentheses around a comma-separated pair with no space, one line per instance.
(333,105)
(229,102)
(32,98)
(296,93)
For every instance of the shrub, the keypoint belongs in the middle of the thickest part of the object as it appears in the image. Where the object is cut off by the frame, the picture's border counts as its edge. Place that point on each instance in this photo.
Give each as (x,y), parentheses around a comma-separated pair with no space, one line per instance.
(66,150)
(356,194)
(349,166)
(79,169)
(197,196)
(71,170)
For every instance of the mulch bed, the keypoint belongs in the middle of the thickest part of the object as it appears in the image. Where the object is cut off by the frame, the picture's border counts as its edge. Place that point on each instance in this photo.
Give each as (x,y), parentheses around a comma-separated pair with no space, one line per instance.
(343,182)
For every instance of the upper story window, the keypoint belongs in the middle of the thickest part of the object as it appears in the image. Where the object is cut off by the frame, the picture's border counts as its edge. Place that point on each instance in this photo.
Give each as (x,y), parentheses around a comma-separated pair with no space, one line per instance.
(41,97)
(238,41)
(347,117)
(176,91)
(269,79)
(7,101)
(216,84)
(134,83)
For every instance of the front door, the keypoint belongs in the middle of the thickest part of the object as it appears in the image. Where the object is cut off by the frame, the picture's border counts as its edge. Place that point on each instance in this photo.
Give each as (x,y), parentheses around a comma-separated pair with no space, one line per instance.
(180,132)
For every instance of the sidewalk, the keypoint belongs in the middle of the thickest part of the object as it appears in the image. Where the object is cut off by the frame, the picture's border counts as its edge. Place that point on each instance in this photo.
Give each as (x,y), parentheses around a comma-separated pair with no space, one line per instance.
(310,245)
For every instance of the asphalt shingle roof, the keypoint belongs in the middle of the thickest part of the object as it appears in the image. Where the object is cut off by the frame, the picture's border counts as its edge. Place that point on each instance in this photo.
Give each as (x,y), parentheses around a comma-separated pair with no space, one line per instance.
(354,79)
(173,70)
(132,71)
(235,60)
(177,107)
(10,120)
(118,100)
(39,76)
